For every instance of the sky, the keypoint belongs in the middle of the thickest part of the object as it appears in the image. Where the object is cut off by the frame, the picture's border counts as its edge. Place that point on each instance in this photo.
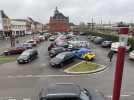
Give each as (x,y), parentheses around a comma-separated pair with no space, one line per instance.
(107,11)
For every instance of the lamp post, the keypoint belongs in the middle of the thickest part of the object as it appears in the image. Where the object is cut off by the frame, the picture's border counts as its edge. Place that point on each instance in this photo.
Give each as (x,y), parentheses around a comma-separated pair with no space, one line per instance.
(123,31)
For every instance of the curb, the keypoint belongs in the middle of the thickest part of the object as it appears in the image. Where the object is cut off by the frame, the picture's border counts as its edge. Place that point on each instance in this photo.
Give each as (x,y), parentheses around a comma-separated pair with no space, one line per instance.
(86,72)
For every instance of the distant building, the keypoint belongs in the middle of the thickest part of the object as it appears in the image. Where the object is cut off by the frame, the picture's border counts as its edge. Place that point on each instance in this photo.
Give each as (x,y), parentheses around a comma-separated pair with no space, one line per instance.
(59,23)
(19,27)
(5,25)
(38,27)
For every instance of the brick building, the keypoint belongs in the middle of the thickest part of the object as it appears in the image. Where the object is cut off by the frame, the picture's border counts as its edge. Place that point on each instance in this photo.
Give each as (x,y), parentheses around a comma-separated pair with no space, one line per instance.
(58,22)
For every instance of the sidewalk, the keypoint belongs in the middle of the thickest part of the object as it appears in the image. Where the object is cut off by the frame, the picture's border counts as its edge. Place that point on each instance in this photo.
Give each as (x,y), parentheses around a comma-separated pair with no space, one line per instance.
(4,44)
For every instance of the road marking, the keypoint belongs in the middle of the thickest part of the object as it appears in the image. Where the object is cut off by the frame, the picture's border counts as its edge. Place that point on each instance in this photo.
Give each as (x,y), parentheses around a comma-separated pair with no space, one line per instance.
(40,76)
(123,95)
(26,98)
(43,64)
(12,99)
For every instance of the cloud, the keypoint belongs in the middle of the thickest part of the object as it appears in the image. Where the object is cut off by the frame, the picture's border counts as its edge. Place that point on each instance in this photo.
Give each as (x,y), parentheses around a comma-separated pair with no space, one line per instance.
(77,10)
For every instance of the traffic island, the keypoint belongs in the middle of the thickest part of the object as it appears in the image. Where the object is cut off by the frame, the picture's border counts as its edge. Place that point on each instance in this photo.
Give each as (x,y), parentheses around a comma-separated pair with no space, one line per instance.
(85,68)
(6,59)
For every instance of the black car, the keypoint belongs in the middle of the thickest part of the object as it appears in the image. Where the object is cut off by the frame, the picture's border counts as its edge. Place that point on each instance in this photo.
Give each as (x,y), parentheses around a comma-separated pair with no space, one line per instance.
(54,51)
(27,56)
(106,44)
(62,59)
(69,91)
(98,40)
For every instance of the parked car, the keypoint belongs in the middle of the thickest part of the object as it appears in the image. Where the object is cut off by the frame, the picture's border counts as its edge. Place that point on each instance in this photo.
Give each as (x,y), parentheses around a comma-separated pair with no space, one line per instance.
(131,55)
(54,51)
(13,51)
(27,56)
(80,54)
(69,91)
(62,44)
(115,46)
(52,38)
(32,42)
(82,44)
(25,45)
(37,39)
(41,37)
(61,59)
(88,56)
(106,44)
(98,40)
(92,38)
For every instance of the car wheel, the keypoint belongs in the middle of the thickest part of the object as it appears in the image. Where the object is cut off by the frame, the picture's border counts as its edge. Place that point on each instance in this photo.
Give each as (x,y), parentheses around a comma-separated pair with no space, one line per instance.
(29,60)
(91,59)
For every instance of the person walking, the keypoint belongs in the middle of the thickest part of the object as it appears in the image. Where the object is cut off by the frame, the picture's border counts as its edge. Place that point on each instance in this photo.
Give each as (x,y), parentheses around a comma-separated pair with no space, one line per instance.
(110,55)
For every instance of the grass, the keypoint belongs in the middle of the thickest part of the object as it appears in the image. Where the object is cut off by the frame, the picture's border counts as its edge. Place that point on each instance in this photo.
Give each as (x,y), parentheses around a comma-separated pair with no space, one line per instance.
(83,67)
(6,59)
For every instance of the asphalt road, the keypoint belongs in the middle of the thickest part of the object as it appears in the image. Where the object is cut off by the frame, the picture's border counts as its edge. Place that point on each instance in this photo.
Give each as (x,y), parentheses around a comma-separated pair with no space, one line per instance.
(23,82)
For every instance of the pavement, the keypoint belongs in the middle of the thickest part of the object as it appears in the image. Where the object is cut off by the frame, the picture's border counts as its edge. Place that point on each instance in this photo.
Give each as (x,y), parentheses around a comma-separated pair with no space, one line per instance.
(24,82)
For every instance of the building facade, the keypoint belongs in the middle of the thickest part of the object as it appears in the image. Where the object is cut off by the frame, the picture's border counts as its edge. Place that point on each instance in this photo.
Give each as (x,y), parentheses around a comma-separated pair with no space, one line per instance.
(38,27)
(5,25)
(58,22)
(19,27)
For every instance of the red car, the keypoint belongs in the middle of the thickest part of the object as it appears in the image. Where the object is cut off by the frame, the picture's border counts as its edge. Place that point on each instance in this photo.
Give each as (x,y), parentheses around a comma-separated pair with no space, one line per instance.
(14,51)
(37,39)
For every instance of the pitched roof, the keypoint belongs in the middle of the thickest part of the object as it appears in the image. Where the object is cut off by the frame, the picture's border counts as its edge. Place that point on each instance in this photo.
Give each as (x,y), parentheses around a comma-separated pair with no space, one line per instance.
(3,15)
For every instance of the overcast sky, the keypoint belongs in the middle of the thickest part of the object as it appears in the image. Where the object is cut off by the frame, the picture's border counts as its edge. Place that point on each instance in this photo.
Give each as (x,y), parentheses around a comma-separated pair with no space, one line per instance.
(77,10)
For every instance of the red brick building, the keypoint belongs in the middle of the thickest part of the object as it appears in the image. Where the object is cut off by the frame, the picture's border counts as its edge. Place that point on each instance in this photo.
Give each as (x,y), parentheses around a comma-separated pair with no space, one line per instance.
(58,22)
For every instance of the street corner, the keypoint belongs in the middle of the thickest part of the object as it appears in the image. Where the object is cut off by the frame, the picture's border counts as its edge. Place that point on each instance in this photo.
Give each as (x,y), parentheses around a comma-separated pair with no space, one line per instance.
(85,68)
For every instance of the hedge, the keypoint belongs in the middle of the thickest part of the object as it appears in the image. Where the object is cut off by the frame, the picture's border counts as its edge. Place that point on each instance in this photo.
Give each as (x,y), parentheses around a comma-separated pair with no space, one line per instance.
(114,38)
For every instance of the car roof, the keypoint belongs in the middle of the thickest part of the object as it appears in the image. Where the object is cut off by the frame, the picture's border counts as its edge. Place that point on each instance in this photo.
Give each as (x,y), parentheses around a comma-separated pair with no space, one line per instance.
(65,53)
(28,50)
(62,90)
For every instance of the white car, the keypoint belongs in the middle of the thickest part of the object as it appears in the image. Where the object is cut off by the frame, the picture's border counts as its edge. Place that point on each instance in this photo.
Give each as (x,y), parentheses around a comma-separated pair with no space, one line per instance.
(84,44)
(131,55)
(115,46)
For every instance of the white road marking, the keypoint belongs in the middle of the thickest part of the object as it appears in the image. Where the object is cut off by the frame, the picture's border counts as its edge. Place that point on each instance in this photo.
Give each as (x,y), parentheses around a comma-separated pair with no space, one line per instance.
(26,99)
(12,99)
(123,95)
(40,76)
(43,64)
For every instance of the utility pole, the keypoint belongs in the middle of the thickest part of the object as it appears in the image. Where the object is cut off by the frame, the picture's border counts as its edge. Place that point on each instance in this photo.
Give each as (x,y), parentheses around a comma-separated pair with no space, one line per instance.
(92,24)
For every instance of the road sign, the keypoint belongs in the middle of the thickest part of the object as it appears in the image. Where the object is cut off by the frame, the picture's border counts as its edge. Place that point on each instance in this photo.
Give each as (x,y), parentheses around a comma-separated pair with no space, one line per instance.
(123,30)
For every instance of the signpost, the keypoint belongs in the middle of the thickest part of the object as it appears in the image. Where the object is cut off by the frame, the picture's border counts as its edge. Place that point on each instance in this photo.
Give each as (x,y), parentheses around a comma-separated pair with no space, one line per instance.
(123,32)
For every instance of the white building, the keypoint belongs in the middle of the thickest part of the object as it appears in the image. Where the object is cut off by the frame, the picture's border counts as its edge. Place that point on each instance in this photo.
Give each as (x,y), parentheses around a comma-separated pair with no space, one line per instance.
(5,25)
(19,27)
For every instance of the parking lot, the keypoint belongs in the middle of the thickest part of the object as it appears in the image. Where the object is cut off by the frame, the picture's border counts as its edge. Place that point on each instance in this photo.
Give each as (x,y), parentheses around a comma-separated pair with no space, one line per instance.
(25,80)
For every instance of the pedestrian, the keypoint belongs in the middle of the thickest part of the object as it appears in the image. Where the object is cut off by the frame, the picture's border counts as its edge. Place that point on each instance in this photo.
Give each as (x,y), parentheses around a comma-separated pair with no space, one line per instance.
(110,55)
